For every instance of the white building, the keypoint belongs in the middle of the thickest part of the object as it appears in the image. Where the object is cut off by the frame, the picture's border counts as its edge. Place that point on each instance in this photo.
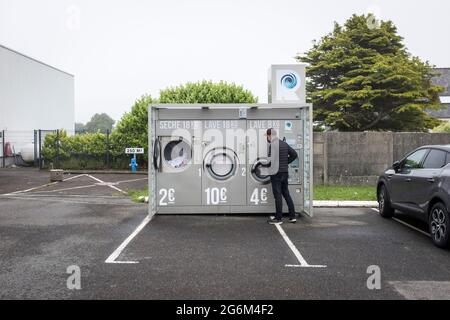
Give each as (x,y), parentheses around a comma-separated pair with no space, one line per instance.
(33,95)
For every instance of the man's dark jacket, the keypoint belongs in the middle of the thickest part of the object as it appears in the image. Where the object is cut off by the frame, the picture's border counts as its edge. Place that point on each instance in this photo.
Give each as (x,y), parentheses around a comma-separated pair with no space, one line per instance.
(287,155)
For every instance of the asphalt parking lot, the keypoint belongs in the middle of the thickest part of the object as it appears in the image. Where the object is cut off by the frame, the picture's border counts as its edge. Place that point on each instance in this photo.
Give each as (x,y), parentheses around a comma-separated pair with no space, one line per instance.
(87,221)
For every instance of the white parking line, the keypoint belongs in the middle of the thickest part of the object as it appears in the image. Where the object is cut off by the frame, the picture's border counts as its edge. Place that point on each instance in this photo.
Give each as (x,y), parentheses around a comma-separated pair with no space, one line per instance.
(77,176)
(67,189)
(112,258)
(111,186)
(407,224)
(301,260)
(43,199)
(133,180)
(42,186)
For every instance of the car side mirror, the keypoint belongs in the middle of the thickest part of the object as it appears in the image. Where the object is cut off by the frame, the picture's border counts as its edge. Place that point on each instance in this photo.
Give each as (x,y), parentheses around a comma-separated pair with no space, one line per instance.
(396,166)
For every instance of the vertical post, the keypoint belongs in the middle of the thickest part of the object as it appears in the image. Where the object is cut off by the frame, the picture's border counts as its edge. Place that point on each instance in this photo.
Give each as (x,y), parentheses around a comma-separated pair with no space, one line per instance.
(133,164)
(3,147)
(57,150)
(40,149)
(107,149)
(325,159)
(35,148)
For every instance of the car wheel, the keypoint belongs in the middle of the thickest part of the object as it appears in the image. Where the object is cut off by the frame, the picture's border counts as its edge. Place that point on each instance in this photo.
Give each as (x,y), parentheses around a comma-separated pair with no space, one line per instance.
(440,225)
(384,203)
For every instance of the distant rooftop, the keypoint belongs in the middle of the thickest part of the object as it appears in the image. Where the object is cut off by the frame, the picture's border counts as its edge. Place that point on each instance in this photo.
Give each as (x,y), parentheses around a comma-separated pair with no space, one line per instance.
(443,79)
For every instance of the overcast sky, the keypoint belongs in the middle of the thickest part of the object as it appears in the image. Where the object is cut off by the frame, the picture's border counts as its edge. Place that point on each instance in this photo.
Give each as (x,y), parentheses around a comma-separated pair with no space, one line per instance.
(119,50)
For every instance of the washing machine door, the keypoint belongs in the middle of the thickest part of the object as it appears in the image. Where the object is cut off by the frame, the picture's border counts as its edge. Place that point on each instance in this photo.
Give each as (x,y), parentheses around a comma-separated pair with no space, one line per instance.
(256,171)
(221,164)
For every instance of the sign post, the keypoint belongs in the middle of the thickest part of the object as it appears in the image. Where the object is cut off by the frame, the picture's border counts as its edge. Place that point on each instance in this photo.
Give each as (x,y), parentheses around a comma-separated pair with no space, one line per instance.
(134,152)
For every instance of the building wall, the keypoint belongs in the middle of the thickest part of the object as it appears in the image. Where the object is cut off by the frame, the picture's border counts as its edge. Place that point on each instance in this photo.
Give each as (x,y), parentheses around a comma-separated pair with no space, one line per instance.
(34,95)
(358,158)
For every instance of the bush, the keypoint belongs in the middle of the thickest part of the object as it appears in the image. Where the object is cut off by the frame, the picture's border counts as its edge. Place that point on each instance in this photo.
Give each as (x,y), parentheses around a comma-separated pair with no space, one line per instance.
(91,143)
(81,151)
(443,128)
(132,129)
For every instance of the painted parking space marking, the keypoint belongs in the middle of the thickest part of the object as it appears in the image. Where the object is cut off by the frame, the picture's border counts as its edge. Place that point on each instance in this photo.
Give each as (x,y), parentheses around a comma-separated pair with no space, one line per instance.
(111,185)
(132,180)
(64,200)
(112,258)
(407,224)
(67,189)
(422,290)
(298,255)
(44,185)
(106,184)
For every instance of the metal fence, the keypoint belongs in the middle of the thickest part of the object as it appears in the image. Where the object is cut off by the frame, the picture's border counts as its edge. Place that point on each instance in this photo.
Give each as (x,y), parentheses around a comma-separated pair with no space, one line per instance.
(14,144)
(39,139)
(27,148)
(62,158)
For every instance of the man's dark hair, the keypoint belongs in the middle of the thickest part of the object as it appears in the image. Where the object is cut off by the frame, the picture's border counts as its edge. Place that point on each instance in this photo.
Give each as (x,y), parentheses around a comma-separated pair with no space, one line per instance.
(271,132)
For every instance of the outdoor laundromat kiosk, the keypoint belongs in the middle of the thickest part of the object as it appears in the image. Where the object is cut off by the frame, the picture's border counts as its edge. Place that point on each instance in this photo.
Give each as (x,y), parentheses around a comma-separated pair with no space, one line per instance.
(206,159)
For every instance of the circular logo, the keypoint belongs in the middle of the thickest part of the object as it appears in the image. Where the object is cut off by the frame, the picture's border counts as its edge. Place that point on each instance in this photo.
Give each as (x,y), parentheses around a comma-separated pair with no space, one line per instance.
(289,81)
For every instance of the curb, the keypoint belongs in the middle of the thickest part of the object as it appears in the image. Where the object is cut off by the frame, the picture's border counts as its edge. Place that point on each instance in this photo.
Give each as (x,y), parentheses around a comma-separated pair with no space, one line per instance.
(345,204)
(326,204)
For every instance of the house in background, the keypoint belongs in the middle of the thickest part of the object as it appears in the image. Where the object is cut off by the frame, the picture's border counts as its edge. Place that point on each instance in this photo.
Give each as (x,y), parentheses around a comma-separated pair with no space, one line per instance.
(443,79)
(33,96)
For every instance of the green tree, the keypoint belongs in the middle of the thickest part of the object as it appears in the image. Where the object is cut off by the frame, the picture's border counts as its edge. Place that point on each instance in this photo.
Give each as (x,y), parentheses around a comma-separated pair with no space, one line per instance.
(361,77)
(79,127)
(100,122)
(207,92)
(132,130)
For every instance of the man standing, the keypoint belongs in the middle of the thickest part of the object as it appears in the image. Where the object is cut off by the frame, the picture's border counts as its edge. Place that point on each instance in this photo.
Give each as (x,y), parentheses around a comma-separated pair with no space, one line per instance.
(281,155)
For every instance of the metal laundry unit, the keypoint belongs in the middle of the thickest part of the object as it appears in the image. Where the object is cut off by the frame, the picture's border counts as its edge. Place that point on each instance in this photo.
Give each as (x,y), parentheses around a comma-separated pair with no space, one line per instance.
(205,159)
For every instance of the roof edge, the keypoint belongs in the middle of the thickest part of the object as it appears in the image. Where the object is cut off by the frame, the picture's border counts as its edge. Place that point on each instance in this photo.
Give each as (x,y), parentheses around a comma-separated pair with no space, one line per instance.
(35,60)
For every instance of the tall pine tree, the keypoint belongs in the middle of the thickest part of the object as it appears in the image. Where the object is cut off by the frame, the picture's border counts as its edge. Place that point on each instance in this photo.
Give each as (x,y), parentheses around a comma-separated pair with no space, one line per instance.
(362,78)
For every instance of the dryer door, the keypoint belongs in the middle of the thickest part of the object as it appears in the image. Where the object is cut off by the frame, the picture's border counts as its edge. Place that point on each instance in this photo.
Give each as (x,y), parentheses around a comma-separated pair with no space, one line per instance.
(178,178)
(176,154)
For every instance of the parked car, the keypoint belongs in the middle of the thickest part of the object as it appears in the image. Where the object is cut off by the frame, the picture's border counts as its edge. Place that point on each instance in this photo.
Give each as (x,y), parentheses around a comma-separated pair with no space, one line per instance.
(419,185)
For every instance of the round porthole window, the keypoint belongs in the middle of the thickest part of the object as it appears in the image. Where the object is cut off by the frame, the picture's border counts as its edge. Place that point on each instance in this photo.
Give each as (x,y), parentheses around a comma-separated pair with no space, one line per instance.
(177,154)
(221,163)
(256,171)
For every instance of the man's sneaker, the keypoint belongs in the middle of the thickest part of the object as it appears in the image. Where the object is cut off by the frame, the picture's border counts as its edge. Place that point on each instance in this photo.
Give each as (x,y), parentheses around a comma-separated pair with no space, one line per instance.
(274,221)
(272,217)
(292,220)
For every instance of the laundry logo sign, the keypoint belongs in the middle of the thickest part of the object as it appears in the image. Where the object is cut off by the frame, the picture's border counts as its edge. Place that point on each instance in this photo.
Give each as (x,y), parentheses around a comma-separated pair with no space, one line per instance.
(288,85)
(288,125)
